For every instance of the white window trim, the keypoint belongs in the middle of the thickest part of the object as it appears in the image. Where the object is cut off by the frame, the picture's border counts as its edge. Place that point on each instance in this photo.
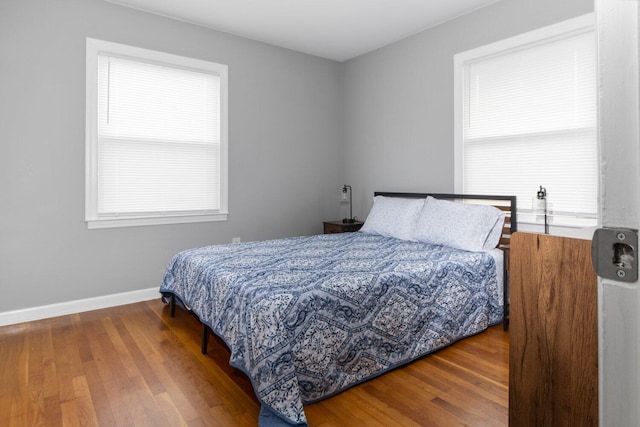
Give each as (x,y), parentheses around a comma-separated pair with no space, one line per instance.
(560,30)
(94,47)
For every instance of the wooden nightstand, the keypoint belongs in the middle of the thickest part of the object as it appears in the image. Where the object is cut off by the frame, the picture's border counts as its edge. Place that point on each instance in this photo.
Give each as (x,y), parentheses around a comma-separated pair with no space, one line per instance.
(341,227)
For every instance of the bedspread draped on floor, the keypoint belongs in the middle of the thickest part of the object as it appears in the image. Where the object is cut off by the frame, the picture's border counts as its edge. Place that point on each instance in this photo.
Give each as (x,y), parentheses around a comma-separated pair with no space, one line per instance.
(307,317)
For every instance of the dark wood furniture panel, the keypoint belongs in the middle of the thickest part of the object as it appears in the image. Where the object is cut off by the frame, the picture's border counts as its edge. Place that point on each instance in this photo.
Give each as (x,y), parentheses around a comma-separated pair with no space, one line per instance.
(341,227)
(553,361)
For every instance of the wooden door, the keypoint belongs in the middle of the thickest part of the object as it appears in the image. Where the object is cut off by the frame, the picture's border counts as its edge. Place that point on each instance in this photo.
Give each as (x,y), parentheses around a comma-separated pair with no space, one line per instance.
(553,356)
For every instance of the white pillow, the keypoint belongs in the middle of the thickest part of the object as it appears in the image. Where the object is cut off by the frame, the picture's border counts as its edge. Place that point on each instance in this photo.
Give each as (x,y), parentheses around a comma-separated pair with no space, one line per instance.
(459,225)
(393,217)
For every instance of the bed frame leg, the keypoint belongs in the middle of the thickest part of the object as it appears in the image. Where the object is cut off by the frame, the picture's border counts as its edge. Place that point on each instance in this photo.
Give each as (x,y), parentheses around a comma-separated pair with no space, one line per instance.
(506,290)
(505,314)
(172,306)
(205,339)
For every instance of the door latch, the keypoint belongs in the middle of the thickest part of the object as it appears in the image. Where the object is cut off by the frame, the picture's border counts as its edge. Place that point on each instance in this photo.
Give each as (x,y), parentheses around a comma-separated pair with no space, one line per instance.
(614,254)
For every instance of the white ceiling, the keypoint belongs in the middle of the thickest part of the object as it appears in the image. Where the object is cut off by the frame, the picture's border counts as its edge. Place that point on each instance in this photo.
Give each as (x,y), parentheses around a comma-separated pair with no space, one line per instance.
(334,29)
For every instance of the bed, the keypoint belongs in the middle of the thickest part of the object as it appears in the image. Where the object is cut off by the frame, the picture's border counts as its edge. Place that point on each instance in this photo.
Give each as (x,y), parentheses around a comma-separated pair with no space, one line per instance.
(308,317)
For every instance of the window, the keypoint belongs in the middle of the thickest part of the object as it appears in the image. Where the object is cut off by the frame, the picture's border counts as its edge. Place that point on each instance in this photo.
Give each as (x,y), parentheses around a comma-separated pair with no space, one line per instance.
(526,116)
(156,137)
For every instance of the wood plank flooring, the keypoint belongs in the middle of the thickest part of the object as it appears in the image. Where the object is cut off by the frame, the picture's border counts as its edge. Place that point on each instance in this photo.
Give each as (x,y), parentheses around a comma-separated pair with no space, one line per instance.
(134,365)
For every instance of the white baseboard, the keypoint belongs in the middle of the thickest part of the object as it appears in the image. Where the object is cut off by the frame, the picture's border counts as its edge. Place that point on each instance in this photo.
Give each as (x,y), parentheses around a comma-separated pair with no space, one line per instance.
(78,306)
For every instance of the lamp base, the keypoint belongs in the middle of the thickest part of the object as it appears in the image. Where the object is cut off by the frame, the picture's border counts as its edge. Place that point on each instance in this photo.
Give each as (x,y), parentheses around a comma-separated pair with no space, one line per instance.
(348,220)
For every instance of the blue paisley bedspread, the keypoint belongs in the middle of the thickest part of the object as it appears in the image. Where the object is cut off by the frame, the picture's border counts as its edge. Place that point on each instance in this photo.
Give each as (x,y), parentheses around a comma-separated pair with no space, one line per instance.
(308,317)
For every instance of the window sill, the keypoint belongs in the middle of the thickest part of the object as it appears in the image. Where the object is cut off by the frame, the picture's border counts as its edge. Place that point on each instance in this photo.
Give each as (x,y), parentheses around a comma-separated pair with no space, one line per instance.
(164,220)
(584,233)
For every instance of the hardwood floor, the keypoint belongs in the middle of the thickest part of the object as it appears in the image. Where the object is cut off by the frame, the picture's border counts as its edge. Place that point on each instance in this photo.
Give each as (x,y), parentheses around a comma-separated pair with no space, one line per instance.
(134,365)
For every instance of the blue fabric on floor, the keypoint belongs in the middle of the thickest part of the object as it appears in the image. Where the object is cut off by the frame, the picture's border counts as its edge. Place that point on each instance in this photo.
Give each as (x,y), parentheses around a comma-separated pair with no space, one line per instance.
(268,418)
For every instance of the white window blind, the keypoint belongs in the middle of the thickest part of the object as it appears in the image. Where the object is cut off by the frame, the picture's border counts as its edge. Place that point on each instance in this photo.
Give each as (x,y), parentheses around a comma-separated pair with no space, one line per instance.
(158,147)
(529,120)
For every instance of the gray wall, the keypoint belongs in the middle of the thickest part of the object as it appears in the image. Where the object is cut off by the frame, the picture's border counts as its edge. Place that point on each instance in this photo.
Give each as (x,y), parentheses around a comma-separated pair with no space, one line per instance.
(284,142)
(300,126)
(399,99)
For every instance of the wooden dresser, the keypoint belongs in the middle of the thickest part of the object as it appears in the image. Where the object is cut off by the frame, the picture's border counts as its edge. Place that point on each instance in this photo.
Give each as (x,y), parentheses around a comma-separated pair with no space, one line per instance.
(553,355)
